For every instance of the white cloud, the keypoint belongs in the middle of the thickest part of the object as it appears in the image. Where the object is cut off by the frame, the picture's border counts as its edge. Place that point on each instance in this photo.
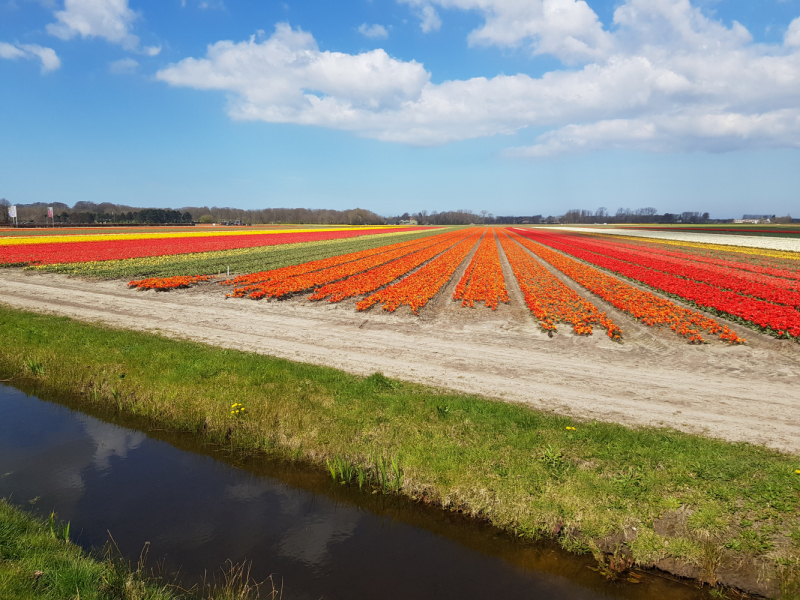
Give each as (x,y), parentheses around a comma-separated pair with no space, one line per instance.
(792,37)
(373,31)
(10,51)
(124,66)
(50,61)
(286,78)
(151,50)
(667,79)
(430,20)
(568,29)
(108,19)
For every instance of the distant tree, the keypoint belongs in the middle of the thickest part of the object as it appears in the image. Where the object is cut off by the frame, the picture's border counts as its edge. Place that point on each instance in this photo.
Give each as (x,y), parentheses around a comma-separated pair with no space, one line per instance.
(206,219)
(4,204)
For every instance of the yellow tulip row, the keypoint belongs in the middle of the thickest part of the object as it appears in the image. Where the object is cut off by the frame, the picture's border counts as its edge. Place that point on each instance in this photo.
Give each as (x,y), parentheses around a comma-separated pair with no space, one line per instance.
(108,237)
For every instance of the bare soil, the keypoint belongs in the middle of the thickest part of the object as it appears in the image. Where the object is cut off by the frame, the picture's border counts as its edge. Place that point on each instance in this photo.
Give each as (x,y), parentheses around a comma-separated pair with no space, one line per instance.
(741,393)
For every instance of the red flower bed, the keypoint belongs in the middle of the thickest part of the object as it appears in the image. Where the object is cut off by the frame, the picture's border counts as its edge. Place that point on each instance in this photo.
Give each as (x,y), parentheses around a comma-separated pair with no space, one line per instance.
(719,258)
(643,305)
(64,252)
(780,291)
(779,319)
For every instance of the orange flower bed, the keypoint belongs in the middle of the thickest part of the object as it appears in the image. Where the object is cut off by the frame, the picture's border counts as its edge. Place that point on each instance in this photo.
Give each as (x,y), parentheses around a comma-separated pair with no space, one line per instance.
(282,285)
(483,280)
(645,306)
(549,299)
(163,284)
(371,280)
(417,289)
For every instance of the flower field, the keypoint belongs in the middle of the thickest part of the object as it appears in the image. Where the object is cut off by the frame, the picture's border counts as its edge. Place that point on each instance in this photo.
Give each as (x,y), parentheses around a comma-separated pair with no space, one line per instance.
(549,299)
(563,277)
(45,250)
(768,302)
(483,280)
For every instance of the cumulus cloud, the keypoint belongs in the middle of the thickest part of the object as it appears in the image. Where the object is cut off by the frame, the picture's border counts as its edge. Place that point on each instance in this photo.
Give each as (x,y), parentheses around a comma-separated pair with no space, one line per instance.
(48,57)
(373,31)
(792,37)
(666,79)
(568,29)
(108,19)
(286,78)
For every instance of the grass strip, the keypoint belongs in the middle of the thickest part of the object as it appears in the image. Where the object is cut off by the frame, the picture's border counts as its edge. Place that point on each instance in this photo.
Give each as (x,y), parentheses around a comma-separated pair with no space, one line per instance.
(37,561)
(241,260)
(654,493)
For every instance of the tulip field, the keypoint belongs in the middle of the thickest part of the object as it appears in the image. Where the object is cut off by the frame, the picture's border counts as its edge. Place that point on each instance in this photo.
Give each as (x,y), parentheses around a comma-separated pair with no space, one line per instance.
(561,276)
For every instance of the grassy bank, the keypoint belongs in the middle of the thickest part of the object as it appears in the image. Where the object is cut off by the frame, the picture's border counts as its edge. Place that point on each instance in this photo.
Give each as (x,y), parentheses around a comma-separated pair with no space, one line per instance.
(38,561)
(703,507)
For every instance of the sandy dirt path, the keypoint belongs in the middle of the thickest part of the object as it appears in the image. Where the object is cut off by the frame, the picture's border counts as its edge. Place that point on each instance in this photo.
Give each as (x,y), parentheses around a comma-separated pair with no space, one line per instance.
(745,393)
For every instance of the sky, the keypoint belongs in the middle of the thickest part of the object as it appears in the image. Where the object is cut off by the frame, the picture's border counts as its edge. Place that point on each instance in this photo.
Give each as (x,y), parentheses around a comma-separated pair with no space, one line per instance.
(517,107)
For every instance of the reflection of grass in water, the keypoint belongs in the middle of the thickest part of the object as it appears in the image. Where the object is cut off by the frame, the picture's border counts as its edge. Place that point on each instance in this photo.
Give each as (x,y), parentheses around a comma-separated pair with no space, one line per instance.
(530,472)
(39,562)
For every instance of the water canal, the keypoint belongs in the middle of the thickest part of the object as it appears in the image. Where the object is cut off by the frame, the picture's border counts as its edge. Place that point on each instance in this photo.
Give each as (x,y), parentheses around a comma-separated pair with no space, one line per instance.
(198,507)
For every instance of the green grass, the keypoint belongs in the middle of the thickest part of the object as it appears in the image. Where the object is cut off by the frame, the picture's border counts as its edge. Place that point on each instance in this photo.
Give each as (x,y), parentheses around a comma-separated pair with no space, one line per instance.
(37,561)
(241,260)
(522,469)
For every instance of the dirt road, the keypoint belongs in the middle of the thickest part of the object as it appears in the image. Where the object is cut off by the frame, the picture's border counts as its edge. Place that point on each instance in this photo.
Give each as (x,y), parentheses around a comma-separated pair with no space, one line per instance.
(747,393)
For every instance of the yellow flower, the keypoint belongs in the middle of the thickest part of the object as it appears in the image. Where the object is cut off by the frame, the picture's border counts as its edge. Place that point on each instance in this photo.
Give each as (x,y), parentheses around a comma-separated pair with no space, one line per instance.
(797,471)
(570,429)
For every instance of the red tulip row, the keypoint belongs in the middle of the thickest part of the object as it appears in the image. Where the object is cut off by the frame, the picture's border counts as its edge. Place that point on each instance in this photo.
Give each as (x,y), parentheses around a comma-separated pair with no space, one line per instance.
(777,319)
(483,280)
(419,250)
(717,258)
(643,305)
(764,287)
(550,300)
(67,252)
(417,289)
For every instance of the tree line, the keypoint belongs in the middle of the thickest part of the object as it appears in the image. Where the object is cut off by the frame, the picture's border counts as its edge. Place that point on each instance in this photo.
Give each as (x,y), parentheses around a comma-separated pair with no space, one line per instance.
(90,213)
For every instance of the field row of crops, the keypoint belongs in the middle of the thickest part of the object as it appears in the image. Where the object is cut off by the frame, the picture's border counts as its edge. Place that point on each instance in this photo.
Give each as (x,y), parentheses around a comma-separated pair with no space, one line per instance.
(411,272)
(768,301)
(409,266)
(40,250)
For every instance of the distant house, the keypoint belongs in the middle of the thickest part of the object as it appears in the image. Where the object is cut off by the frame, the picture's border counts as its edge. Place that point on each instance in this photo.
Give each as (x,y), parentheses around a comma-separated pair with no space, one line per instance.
(409,222)
(755,219)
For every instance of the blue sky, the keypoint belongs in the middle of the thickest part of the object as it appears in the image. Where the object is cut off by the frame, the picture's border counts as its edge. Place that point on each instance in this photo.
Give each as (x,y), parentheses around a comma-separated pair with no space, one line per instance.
(512,106)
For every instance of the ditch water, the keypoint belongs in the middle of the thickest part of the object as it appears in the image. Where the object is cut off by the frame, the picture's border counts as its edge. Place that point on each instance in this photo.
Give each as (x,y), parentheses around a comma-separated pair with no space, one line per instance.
(199,508)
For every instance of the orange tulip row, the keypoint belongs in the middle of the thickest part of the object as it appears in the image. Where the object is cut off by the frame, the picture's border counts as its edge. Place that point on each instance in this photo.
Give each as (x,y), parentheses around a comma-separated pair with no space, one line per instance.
(369,281)
(162,284)
(483,279)
(549,299)
(643,305)
(422,285)
(318,265)
(285,286)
